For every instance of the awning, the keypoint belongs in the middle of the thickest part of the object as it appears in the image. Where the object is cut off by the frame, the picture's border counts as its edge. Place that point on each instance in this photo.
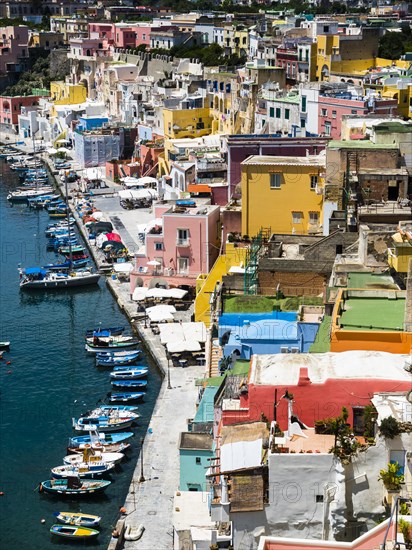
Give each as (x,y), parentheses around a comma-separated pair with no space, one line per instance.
(124,267)
(183,331)
(179,346)
(139,293)
(138,194)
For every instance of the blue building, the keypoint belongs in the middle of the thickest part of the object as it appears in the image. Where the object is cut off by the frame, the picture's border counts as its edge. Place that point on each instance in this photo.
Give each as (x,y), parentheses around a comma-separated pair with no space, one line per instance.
(87,123)
(195,450)
(247,334)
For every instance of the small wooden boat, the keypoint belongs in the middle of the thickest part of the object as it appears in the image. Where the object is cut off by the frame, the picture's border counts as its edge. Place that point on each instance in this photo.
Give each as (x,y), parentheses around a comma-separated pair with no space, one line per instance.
(4,345)
(116,342)
(129,374)
(126,396)
(133,532)
(111,331)
(73,532)
(112,407)
(110,447)
(106,421)
(73,486)
(130,384)
(102,439)
(107,361)
(90,455)
(82,470)
(78,518)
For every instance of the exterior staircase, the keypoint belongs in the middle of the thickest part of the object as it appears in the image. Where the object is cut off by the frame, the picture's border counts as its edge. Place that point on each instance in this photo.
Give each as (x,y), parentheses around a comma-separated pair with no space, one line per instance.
(215,356)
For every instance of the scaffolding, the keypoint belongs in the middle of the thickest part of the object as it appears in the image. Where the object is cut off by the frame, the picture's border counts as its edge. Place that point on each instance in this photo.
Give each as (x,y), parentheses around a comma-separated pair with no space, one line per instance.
(254,252)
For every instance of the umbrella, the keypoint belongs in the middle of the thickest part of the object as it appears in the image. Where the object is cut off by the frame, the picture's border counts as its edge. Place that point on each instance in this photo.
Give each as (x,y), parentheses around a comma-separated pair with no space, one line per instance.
(139,294)
(113,237)
(154,263)
(146,180)
(52,151)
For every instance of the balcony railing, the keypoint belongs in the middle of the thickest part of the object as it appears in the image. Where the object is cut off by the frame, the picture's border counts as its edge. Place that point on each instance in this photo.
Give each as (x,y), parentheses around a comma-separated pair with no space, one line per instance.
(182,242)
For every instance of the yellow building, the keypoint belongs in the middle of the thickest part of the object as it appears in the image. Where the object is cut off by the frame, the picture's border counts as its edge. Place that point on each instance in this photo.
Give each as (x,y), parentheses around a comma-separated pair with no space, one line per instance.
(402,91)
(63,93)
(235,39)
(400,253)
(187,123)
(283,193)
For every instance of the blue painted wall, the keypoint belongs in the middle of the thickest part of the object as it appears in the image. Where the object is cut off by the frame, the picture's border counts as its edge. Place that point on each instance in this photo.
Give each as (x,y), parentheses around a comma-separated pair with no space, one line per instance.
(193,475)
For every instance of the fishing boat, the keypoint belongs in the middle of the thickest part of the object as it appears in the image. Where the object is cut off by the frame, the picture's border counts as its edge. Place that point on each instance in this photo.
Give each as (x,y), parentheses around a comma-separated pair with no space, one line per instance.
(78,249)
(130,384)
(76,264)
(73,486)
(95,344)
(113,361)
(116,353)
(73,532)
(126,396)
(103,439)
(77,518)
(109,448)
(123,368)
(4,345)
(113,331)
(24,196)
(33,278)
(84,469)
(129,374)
(112,407)
(91,456)
(106,421)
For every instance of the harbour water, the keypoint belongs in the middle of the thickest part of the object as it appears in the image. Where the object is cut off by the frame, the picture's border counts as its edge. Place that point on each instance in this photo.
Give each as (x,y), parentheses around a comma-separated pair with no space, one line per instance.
(50,380)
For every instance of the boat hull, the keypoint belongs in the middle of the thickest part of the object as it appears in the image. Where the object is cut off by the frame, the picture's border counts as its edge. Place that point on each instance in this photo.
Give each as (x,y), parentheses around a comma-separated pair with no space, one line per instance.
(73,532)
(69,282)
(126,396)
(54,487)
(77,518)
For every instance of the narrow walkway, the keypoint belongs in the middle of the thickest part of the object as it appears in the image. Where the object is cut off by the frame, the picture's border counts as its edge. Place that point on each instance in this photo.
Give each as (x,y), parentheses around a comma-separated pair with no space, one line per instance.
(151,502)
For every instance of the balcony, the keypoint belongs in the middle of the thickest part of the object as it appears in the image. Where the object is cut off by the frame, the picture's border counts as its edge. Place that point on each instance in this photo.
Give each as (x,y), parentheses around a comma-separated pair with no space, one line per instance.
(182,242)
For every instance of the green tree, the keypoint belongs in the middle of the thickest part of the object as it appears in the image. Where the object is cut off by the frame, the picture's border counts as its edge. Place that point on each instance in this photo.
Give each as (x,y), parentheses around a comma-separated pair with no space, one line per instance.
(391,45)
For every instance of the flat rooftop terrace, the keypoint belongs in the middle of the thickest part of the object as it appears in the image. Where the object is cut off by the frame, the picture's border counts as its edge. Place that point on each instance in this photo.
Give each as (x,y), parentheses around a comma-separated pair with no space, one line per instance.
(378,313)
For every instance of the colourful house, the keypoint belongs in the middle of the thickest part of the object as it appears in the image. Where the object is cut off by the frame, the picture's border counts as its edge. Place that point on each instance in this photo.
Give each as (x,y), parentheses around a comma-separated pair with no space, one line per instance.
(370,320)
(14,46)
(187,123)
(10,108)
(400,253)
(195,450)
(282,193)
(63,93)
(183,240)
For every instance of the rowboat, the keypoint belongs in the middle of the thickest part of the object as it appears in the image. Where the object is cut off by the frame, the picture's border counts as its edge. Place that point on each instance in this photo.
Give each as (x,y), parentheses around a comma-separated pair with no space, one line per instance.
(112,407)
(130,384)
(109,447)
(73,532)
(4,345)
(84,469)
(126,396)
(102,439)
(129,374)
(79,249)
(111,343)
(107,361)
(106,421)
(90,456)
(113,331)
(73,486)
(116,354)
(77,518)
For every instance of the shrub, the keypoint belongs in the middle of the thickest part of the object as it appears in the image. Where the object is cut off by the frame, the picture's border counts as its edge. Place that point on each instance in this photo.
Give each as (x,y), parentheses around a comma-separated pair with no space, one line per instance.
(389,427)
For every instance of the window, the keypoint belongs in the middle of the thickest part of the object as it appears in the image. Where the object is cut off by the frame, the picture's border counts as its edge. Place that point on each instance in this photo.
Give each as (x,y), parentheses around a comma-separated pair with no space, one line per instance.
(183,265)
(272,112)
(325,28)
(182,237)
(313,182)
(198,460)
(354,112)
(158,246)
(333,114)
(297,217)
(275,180)
(287,114)
(313,217)
(277,112)
(302,123)
(328,128)
(303,104)
(324,112)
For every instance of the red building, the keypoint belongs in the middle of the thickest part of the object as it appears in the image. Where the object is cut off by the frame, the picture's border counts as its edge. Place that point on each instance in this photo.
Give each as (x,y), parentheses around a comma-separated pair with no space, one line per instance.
(287,58)
(321,384)
(10,108)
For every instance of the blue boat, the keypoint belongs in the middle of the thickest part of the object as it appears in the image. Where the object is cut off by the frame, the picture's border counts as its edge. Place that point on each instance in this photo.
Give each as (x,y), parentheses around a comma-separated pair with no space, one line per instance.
(73,486)
(119,407)
(117,361)
(115,331)
(67,265)
(126,396)
(130,384)
(103,438)
(130,373)
(124,368)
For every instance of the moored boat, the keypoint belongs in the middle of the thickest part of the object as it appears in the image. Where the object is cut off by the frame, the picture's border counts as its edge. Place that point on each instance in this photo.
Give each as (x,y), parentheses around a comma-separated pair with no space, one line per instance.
(95,438)
(82,470)
(129,374)
(78,518)
(130,384)
(115,342)
(111,331)
(73,486)
(112,361)
(106,421)
(73,531)
(39,278)
(126,396)
(90,455)
(4,345)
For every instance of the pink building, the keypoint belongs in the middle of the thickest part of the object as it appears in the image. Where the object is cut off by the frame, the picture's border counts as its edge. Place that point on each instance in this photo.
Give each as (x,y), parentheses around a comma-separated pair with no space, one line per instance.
(102,30)
(89,47)
(10,108)
(183,239)
(332,107)
(13,47)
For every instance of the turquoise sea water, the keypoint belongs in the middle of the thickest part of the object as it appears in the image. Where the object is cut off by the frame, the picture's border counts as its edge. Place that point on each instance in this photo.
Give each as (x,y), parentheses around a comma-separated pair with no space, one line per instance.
(50,379)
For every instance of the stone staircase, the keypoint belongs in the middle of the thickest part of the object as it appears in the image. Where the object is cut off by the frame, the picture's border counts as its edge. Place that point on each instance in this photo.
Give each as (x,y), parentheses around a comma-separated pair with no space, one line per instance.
(215,356)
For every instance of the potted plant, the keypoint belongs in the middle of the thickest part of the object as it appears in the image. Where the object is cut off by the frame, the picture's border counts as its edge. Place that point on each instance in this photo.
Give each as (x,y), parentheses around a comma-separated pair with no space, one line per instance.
(392,477)
(405,527)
